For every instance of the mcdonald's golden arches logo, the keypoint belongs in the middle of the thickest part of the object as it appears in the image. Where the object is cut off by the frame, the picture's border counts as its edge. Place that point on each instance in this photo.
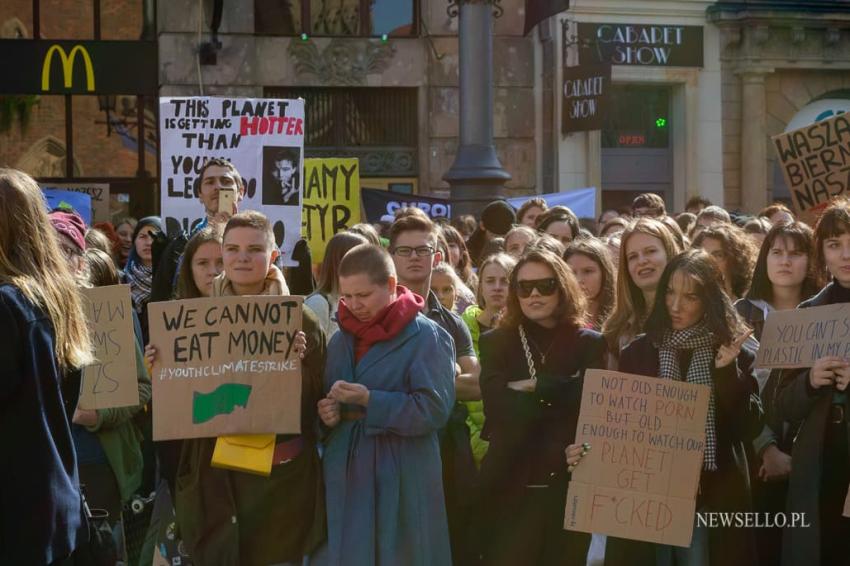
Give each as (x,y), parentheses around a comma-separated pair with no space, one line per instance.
(67,66)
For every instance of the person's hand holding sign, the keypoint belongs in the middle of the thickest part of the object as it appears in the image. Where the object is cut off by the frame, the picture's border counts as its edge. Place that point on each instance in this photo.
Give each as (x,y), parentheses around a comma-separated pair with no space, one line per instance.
(574,453)
(351,393)
(829,370)
(727,353)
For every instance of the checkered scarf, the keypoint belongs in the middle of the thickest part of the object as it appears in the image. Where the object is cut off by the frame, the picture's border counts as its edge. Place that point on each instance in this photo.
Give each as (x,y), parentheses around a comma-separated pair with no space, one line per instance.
(697,338)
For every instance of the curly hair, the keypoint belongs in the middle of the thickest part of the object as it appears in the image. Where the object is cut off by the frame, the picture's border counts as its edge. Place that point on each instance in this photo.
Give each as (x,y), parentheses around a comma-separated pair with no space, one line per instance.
(740,252)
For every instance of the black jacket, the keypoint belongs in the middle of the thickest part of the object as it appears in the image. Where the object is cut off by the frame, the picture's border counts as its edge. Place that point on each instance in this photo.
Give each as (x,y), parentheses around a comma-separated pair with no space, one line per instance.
(797,402)
(528,432)
(739,420)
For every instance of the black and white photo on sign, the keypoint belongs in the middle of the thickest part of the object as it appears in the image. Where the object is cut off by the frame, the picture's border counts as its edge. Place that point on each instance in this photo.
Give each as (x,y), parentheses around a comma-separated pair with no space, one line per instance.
(281,172)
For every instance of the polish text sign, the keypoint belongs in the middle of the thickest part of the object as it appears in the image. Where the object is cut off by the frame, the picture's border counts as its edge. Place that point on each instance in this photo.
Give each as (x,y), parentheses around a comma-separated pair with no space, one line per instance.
(815,162)
(111,381)
(639,480)
(797,338)
(225,365)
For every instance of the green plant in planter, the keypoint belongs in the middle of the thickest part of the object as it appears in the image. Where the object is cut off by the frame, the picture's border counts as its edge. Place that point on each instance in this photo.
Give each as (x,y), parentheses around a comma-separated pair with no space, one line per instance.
(16,107)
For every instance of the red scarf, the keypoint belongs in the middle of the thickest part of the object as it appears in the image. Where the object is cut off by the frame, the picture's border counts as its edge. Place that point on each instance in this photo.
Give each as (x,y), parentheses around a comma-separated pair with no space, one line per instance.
(385,325)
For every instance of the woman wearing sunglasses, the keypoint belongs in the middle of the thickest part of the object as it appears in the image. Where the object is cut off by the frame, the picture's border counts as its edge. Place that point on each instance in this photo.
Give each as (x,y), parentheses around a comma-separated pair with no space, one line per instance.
(694,334)
(531,379)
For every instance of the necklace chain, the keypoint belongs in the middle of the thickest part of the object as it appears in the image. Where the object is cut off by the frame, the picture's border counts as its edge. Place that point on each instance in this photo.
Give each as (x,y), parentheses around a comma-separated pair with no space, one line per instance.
(532,373)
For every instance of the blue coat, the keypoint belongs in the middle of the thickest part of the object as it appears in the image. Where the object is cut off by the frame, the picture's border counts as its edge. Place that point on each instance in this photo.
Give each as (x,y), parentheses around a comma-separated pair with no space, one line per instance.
(383,473)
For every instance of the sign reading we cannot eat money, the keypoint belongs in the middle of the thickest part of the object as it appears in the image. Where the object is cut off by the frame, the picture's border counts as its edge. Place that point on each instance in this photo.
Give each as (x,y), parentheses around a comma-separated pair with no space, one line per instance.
(225,365)
(639,480)
(111,381)
(798,338)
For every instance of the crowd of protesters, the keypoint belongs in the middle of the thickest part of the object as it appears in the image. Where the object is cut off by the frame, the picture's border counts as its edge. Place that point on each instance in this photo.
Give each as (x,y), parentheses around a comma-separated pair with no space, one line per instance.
(442,371)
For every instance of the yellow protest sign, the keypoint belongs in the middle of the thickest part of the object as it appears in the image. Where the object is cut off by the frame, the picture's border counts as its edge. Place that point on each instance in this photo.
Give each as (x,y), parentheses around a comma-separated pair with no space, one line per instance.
(331,200)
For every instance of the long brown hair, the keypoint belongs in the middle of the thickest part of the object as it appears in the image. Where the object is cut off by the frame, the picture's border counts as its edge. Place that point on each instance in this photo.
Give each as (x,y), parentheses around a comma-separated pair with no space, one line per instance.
(337,247)
(31,260)
(464,267)
(572,306)
(631,310)
(720,316)
(597,252)
(186,288)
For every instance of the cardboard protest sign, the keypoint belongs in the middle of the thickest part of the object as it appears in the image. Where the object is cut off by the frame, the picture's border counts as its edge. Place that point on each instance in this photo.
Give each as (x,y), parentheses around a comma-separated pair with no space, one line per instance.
(639,480)
(69,201)
(382,205)
(99,193)
(815,161)
(263,138)
(331,201)
(225,365)
(111,381)
(797,338)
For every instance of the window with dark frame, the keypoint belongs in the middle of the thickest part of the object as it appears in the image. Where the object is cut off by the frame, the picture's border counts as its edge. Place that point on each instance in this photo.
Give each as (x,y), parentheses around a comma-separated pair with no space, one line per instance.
(378,125)
(130,119)
(337,18)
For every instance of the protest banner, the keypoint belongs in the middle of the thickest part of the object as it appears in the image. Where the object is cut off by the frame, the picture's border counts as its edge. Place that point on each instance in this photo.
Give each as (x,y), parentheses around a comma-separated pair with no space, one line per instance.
(640,478)
(111,381)
(581,201)
(71,201)
(331,201)
(815,161)
(381,205)
(99,193)
(225,365)
(263,138)
(797,338)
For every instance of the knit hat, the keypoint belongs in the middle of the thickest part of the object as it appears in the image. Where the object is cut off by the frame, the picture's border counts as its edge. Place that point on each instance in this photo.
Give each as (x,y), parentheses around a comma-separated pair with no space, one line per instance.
(498,217)
(71,225)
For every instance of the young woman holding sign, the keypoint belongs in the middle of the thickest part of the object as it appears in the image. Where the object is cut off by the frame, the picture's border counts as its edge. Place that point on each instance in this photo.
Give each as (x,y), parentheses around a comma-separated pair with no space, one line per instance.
(782,279)
(531,380)
(693,334)
(817,399)
(44,336)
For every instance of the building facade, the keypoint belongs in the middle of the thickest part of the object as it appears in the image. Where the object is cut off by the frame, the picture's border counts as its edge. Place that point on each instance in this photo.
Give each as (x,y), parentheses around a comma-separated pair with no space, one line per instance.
(380,79)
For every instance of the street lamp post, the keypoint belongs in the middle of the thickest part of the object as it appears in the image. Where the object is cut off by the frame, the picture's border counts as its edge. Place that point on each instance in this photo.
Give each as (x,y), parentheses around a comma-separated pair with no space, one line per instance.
(476,177)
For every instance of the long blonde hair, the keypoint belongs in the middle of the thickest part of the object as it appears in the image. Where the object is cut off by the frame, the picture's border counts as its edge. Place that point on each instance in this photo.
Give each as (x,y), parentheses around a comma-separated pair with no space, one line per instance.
(31,260)
(631,310)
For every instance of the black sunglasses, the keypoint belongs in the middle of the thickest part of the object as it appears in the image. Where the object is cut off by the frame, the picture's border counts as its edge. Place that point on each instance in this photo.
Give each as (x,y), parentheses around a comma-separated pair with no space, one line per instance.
(545,287)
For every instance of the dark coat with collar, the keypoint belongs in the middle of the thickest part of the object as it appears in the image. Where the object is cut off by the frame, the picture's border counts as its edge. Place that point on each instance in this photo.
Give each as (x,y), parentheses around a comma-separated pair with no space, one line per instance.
(528,433)
(41,518)
(797,402)
(739,420)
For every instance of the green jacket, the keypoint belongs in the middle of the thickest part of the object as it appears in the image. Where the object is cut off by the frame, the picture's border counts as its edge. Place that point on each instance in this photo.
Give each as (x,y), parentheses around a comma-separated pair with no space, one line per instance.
(475,420)
(120,437)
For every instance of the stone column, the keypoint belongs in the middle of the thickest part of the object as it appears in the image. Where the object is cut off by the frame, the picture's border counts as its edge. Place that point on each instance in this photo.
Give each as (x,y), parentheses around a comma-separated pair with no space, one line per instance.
(476,177)
(753,141)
